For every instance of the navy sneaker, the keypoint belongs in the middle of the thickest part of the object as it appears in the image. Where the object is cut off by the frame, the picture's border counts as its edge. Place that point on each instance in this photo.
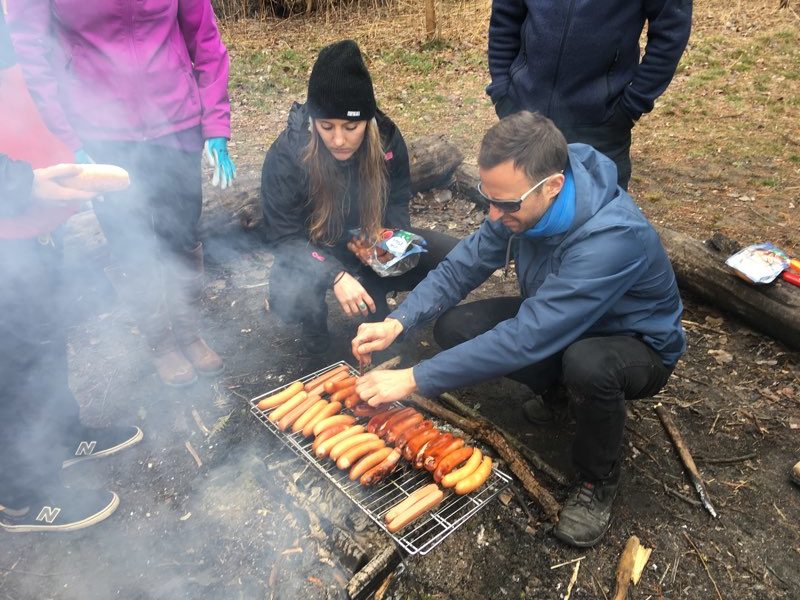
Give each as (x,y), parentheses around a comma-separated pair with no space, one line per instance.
(62,509)
(96,442)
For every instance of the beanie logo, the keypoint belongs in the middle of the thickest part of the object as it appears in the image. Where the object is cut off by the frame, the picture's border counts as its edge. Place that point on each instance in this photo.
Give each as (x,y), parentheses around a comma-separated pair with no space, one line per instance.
(353,113)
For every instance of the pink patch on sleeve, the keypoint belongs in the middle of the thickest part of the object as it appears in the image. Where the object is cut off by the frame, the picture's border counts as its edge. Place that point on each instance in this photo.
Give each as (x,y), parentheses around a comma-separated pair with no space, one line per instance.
(318,256)
(389,155)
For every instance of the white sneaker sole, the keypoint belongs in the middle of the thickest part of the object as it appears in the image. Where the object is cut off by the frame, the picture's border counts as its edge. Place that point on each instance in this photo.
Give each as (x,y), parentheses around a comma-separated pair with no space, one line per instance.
(97,517)
(135,439)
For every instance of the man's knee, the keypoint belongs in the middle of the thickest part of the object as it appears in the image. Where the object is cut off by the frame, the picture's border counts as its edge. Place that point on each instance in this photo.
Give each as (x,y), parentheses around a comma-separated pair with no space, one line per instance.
(447,331)
(588,371)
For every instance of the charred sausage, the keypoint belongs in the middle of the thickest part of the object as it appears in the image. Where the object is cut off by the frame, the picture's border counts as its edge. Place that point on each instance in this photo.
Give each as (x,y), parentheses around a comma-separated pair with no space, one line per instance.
(276,399)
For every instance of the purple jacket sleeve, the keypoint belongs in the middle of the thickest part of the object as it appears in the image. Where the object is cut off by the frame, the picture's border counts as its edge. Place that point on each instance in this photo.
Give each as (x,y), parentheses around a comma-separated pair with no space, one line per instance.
(29,21)
(210,59)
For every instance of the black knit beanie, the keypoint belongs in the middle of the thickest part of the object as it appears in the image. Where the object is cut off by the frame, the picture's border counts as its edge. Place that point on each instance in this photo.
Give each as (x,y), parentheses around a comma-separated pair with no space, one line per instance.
(340,86)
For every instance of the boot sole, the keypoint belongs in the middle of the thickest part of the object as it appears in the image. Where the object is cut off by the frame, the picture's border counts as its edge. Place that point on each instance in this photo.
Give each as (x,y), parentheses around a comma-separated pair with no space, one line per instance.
(209,373)
(97,517)
(580,543)
(179,385)
(135,439)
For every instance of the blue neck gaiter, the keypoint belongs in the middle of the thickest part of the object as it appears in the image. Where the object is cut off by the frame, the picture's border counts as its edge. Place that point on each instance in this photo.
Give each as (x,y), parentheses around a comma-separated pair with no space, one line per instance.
(559,216)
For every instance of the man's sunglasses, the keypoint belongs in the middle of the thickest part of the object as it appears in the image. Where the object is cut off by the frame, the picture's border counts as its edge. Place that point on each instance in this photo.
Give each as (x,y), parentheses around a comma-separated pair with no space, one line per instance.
(511,206)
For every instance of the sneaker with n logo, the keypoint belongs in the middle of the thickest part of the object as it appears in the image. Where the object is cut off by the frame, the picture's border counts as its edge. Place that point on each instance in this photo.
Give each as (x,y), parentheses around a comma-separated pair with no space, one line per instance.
(62,509)
(96,442)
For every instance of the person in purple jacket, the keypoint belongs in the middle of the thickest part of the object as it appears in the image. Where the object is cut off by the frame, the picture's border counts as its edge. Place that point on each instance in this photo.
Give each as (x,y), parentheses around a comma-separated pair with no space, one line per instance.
(143,86)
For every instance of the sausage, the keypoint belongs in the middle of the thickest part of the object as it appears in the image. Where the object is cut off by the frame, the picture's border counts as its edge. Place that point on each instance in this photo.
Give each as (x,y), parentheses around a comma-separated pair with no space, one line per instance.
(320,389)
(476,479)
(369,461)
(382,469)
(319,380)
(309,414)
(408,502)
(324,448)
(349,442)
(277,414)
(333,408)
(272,401)
(296,412)
(435,446)
(396,430)
(416,510)
(351,455)
(334,420)
(440,453)
(410,433)
(394,420)
(335,384)
(97,178)
(328,433)
(456,475)
(380,418)
(451,461)
(414,444)
(419,458)
(340,395)
(352,400)
(362,409)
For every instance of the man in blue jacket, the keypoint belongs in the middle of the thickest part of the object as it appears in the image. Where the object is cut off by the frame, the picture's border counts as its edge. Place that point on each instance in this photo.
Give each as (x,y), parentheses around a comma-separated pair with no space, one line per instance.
(598,310)
(579,63)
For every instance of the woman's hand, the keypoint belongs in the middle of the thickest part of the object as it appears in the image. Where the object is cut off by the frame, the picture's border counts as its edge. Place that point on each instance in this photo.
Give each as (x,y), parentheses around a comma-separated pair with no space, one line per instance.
(372,337)
(47,188)
(352,296)
(382,386)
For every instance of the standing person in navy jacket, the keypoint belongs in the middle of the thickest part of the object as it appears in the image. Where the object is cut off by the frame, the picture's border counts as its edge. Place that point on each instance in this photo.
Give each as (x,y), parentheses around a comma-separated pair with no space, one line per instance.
(598,310)
(579,63)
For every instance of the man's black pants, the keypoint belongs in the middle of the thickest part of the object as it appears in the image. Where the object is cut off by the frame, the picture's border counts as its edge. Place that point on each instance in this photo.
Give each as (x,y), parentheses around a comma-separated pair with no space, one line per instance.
(39,416)
(600,373)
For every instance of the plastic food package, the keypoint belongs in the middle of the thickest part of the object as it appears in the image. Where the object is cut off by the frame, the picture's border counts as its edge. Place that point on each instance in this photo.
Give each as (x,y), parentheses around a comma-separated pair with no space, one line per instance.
(759,263)
(396,252)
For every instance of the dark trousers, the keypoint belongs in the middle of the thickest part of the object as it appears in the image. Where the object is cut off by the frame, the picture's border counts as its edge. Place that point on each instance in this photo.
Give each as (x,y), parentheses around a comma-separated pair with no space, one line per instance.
(600,374)
(296,297)
(38,413)
(157,216)
(612,138)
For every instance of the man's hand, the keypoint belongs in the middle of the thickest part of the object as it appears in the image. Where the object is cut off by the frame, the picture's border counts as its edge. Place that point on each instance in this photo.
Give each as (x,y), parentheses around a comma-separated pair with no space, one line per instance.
(382,386)
(46,186)
(372,337)
(352,296)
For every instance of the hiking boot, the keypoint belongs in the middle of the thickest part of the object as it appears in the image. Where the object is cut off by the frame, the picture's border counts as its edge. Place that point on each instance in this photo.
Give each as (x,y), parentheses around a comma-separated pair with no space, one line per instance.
(795,474)
(315,337)
(184,297)
(538,412)
(586,515)
(61,509)
(96,442)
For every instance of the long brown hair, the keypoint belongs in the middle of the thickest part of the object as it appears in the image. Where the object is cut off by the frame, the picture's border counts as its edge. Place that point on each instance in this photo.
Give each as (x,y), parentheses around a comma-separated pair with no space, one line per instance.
(326,187)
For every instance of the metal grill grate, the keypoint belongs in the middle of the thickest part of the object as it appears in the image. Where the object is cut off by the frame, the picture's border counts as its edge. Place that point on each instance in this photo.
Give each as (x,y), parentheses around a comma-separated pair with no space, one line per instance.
(421,536)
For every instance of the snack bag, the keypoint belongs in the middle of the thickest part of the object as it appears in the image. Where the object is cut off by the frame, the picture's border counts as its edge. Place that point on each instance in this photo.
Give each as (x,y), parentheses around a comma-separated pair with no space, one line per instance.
(759,263)
(396,252)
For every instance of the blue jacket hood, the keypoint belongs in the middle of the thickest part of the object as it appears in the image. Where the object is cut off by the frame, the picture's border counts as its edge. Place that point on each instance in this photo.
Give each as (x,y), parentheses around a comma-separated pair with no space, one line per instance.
(607,275)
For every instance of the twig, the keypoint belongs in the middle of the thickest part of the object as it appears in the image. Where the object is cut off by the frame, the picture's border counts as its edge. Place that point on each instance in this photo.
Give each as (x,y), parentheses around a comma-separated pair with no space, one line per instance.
(714,424)
(686,459)
(199,421)
(599,585)
(725,461)
(573,579)
(705,564)
(667,489)
(568,562)
(523,504)
(194,454)
(536,460)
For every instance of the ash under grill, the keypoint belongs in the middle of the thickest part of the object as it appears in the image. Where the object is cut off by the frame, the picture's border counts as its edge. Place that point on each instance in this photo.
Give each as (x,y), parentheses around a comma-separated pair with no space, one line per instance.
(421,536)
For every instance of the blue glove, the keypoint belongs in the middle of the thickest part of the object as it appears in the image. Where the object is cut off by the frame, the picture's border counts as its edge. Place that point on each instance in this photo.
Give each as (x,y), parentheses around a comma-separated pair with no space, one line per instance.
(82,158)
(216,153)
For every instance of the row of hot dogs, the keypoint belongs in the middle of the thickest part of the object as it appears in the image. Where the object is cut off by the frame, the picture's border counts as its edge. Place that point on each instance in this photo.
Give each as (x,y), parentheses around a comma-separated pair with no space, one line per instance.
(371,452)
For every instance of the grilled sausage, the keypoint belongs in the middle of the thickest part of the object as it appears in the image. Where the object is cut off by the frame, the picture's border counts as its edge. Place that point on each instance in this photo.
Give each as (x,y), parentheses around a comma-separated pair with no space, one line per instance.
(309,414)
(325,447)
(414,497)
(320,389)
(476,479)
(296,412)
(332,408)
(350,442)
(349,457)
(418,509)
(284,409)
(369,461)
(396,430)
(379,419)
(456,475)
(334,385)
(327,434)
(414,444)
(381,470)
(436,445)
(352,400)
(321,379)
(451,461)
(340,395)
(281,397)
(362,409)
(440,453)
(394,419)
(402,440)
(334,420)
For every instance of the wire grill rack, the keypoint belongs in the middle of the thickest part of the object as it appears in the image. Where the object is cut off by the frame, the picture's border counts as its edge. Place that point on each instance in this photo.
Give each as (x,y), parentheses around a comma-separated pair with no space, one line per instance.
(419,537)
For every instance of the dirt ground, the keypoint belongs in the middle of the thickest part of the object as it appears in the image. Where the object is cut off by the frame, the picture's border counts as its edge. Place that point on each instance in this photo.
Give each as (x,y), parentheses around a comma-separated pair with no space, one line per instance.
(212,506)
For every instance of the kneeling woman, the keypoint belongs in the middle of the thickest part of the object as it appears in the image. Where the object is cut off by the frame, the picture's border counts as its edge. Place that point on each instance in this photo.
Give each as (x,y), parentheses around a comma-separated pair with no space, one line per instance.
(339,165)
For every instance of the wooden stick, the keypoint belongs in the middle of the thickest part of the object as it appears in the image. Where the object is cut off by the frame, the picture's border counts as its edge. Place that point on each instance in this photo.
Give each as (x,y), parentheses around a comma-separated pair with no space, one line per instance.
(705,564)
(536,460)
(686,459)
(625,568)
(483,430)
